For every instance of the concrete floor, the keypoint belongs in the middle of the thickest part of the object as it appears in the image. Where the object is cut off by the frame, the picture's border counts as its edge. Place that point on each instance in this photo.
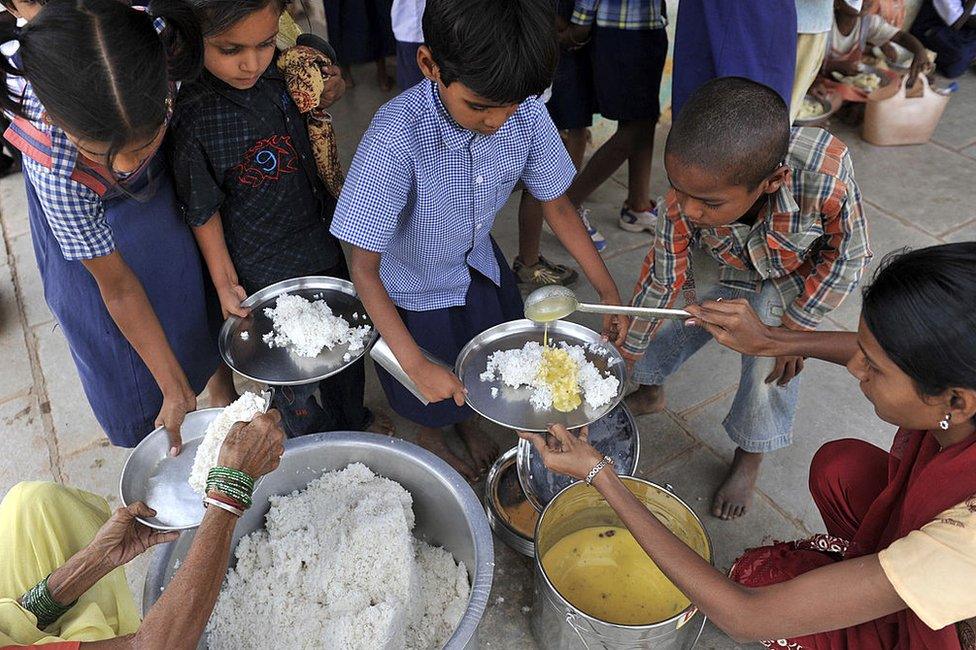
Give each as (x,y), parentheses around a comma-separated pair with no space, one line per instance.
(913,196)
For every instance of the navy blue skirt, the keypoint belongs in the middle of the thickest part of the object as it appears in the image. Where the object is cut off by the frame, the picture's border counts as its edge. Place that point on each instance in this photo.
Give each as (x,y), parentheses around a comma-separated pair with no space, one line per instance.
(443,332)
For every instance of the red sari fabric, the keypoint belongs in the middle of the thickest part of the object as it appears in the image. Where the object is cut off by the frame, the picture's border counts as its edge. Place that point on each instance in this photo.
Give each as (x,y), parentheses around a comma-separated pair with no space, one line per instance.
(867,508)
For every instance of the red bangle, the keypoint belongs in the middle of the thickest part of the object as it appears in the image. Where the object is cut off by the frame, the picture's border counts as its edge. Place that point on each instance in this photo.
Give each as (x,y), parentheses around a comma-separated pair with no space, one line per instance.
(223,498)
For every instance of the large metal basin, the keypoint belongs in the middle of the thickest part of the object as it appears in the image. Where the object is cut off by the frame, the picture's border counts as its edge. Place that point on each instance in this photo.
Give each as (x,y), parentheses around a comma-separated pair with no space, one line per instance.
(447,511)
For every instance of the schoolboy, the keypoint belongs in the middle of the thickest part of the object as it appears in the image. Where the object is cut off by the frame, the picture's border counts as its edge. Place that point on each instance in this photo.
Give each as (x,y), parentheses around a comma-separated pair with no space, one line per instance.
(781,213)
(434,168)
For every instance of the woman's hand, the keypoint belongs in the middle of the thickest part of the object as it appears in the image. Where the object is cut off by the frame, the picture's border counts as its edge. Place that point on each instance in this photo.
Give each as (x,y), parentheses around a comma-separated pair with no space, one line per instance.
(734,324)
(335,86)
(231,295)
(564,453)
(176,404)
(437,383)
(254,447)
(122,537)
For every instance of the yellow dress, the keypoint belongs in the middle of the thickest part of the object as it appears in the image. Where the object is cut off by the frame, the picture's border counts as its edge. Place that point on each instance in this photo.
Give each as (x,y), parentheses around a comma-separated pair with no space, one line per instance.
(41,526)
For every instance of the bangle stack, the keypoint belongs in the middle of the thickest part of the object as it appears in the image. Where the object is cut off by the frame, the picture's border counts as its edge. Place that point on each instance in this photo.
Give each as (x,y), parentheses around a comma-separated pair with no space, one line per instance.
(39,602)
(231,488)
(596,469)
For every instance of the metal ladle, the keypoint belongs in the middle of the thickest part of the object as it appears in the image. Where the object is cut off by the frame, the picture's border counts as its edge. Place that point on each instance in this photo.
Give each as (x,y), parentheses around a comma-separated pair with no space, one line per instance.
(553,302)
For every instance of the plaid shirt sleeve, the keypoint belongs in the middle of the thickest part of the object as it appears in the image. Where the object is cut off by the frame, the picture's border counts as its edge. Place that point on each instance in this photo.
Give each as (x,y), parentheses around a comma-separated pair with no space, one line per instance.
(198,191)
(376,191)
(549,171)
(74,212)
(663,274)
(584,13)
(834,273)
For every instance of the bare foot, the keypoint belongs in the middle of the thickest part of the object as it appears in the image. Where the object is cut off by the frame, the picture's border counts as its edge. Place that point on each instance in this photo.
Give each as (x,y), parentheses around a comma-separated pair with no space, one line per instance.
(433,440)
(347,76)
(482,448)
(734,496)
(646,399)
(220,388)
(381,424)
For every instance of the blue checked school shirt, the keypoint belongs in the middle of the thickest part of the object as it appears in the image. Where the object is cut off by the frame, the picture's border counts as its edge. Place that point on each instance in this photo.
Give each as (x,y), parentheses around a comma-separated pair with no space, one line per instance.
(620,14)
(424,192)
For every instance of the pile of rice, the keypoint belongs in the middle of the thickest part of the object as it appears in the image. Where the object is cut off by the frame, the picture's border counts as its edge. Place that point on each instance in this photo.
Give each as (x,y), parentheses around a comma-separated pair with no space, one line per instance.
(518,368)
(244,409)
(337,567)
(306,327)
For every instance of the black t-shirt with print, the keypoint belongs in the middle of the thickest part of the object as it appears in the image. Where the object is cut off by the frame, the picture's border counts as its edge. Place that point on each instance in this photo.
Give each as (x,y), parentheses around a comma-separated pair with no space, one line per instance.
(246,154)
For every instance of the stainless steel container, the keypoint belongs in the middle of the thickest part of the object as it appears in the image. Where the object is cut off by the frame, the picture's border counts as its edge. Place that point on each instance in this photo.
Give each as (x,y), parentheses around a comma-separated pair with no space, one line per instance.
(558,624)
(447,511)
(511,515)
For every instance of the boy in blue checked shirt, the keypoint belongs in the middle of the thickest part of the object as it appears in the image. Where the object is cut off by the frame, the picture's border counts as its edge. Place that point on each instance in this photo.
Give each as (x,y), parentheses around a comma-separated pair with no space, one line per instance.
(781,213)
(434,168)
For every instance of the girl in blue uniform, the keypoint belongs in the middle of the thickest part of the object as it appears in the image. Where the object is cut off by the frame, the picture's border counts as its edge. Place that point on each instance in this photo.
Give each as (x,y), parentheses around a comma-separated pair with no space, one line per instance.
(121,270)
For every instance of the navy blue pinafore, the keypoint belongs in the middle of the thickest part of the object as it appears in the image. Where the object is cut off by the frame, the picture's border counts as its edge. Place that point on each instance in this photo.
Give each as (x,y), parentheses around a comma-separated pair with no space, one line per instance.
(160,249)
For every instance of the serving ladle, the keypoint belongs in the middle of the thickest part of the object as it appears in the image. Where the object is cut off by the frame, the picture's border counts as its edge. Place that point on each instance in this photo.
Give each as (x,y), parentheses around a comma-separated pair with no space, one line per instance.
(553,302)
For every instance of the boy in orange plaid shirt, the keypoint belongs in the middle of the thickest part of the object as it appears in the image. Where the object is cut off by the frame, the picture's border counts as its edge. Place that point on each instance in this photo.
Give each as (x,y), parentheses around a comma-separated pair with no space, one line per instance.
(781,213)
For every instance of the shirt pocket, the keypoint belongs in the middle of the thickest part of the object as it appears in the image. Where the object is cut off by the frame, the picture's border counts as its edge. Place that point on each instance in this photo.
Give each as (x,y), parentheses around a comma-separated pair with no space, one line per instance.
(504,188)
(793,247)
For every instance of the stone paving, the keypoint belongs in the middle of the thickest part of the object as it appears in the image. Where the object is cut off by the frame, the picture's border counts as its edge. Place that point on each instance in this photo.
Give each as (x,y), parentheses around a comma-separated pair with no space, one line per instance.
(914,196)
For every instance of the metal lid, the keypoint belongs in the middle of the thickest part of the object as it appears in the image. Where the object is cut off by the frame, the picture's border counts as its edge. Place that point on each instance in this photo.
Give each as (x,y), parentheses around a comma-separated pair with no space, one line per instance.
(510,514)
(614,435)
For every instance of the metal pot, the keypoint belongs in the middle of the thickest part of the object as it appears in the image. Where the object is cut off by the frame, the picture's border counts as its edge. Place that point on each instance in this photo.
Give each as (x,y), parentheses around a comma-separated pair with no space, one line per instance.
(447,511)
(558,624)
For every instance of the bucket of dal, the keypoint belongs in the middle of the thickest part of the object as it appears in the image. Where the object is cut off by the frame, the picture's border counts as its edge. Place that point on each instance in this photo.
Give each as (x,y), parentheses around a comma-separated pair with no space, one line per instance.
(594,585)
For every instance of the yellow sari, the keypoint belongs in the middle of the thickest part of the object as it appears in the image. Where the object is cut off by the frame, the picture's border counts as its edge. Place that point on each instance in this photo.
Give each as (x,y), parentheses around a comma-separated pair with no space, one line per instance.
(41,526)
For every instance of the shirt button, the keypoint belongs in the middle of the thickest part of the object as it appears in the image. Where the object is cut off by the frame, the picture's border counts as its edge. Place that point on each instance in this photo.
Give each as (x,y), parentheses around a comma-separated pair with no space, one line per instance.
(477,226)
(479,180)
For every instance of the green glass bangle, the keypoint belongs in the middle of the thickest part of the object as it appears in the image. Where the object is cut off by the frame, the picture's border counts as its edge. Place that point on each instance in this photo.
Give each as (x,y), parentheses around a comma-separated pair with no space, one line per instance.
(231,472)
(39,602)
(238,494)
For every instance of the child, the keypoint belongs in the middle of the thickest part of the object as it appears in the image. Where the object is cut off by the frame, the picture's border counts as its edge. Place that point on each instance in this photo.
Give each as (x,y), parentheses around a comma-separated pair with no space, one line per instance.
(257,222)
(854,28)
(948,28)
(813,21)
(409,34)
(360,31)
(781,213)
(120,269)
(436,165)
(628,50)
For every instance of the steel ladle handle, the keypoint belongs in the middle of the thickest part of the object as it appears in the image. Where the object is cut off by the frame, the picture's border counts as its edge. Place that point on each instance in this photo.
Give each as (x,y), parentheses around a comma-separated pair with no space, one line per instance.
(642,312)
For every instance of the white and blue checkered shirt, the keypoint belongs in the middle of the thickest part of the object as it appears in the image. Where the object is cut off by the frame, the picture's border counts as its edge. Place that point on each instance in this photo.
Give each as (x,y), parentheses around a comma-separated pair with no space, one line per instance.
(74,212)
(424,192)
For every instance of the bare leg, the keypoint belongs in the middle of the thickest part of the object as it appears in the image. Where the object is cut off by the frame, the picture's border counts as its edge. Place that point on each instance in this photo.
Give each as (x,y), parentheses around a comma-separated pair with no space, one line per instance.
(347,75)
(639,170)
(609,158)
(482,448)
(646,399)
(382,76)
(734,496)
(220,388)
(433,440)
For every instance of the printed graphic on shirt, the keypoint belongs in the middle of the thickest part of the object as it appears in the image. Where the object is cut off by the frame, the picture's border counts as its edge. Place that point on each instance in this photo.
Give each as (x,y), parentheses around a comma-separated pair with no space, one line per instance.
(267,160)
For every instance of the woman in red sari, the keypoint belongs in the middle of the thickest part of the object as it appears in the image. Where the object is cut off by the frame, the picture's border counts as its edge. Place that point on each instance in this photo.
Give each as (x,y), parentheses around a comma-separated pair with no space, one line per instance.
(897,566)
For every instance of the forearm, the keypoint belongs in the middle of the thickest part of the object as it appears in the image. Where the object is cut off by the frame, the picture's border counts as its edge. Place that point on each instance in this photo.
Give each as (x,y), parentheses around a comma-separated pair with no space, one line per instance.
(835,347)
(213,247)
(966,19)
(910,43)
(76,576)
(568,228)
(364,268)
(178,618)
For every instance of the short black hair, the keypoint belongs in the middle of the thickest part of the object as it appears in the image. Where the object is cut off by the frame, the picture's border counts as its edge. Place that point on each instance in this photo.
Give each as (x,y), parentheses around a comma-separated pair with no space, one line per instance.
(503,50)
(919,307)
(217,16)
(9,4)
(735,126)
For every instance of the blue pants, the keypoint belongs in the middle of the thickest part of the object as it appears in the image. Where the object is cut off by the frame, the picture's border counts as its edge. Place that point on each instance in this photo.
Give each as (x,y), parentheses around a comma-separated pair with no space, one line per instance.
(734,38)
(762,415)
(407,71)
(956,48)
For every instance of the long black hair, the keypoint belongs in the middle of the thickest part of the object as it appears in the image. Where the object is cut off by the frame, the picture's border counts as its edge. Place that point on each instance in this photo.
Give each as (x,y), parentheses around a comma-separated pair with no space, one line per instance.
(218,16)
(921,307)
(100,69)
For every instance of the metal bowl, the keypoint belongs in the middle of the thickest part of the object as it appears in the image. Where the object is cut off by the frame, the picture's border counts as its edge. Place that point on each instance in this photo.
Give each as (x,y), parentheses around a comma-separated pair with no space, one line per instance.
(510,514)
(152,476)
(447,512)
(828,110)
(511,408)
(614,435)
(253,359)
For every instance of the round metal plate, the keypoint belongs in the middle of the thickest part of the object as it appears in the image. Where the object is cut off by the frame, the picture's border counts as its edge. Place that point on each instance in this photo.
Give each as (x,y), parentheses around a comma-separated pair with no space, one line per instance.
(511,408)
(614,435)
(253,359)
(152,476)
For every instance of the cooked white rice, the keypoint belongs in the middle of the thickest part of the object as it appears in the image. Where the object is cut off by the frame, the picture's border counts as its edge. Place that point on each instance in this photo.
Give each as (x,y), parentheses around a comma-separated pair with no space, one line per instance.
(337,567)
(520,368)
(306,327)
(244,409)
